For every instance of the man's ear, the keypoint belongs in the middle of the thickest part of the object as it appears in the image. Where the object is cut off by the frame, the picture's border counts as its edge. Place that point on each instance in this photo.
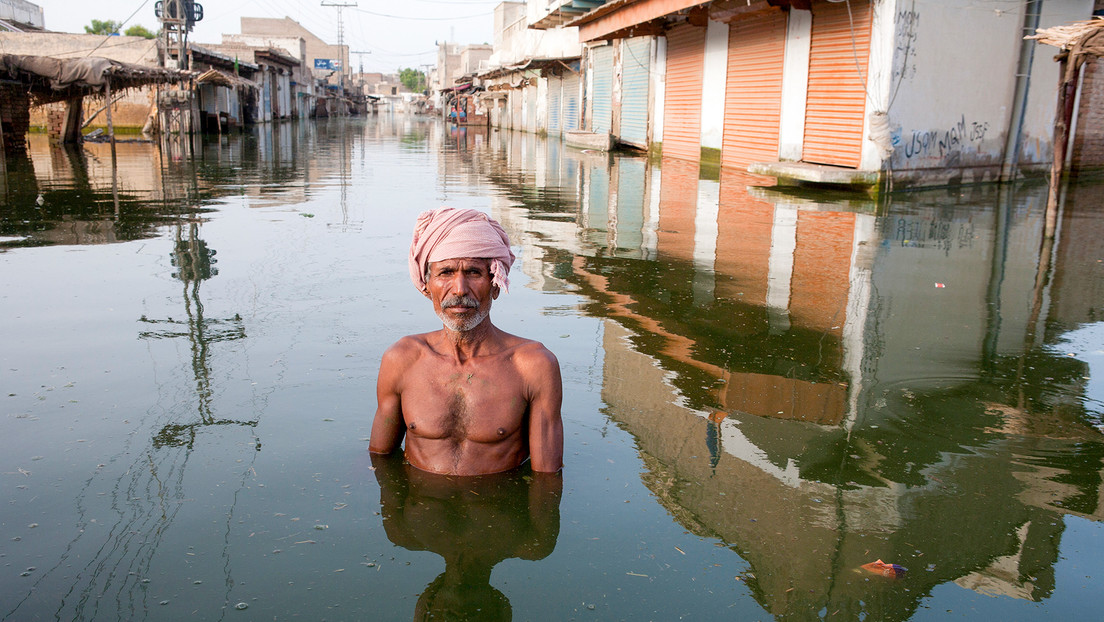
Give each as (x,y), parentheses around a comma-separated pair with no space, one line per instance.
(425,292)
(495,292)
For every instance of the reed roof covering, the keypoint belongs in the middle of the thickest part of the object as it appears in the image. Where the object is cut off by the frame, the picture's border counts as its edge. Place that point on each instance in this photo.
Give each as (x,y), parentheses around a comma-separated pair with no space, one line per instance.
(1077,42)
(55,79)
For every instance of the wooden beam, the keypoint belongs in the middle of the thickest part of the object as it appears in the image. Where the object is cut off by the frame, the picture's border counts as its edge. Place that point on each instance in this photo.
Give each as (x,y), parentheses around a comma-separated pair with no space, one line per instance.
(731,10)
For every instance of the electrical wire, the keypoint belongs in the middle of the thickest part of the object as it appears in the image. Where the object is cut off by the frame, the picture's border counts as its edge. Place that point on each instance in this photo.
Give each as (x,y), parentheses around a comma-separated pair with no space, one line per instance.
(124,23)
(422,19)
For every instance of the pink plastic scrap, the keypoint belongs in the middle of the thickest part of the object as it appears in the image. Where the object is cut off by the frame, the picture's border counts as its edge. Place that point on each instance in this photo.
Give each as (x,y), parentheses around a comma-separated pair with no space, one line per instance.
(884,569)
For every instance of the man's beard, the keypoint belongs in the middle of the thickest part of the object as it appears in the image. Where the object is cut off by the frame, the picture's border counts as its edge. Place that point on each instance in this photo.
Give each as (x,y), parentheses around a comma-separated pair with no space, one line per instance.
(462,325)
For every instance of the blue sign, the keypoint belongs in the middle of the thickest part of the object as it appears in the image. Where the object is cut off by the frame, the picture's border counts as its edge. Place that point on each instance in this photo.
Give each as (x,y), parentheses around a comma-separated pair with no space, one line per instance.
(333,64)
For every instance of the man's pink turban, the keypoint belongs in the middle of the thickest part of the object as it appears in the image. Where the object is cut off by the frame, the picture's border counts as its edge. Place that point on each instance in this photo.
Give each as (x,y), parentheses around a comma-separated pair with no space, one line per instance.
(452,233)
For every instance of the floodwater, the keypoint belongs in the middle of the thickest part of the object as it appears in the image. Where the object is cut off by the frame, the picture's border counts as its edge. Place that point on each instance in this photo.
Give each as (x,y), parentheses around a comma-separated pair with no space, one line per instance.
(765,391)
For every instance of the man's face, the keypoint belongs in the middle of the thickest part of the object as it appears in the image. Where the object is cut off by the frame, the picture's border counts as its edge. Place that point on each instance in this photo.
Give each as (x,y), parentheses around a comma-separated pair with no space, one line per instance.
(461,291)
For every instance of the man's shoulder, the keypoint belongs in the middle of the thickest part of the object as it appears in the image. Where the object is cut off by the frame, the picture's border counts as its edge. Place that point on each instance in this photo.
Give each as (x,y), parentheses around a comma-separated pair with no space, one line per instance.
(407,348)
(532,353)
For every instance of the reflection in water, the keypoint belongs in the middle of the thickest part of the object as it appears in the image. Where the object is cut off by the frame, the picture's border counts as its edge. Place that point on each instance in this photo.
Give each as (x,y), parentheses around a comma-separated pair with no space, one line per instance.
(472,522)
(821,382)
(799,384)
(194,263)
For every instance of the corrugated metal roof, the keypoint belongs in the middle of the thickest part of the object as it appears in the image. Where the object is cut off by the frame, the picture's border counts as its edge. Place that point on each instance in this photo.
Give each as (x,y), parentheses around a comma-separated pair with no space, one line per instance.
(565,12)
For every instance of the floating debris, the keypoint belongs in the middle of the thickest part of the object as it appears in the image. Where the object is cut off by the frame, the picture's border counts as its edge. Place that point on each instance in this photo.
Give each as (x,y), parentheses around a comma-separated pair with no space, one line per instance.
(884,569)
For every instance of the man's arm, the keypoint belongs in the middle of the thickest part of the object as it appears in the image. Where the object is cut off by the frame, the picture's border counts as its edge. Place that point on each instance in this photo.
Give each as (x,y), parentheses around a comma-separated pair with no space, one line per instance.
(545,423)
(388,427)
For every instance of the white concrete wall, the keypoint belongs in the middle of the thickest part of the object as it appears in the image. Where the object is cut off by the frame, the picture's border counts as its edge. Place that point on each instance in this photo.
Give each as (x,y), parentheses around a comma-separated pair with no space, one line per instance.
(23,12)
(515,41)
(1042,100)
(714,78)
(659,88)
(951,86)
(795,81)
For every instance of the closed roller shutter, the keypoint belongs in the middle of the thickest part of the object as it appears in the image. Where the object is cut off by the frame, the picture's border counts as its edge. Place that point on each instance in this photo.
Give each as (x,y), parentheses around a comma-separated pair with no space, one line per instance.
(555,89)
(602,90)
(635,73)
(570,119)
(682,109)
(753,94)
(837,68)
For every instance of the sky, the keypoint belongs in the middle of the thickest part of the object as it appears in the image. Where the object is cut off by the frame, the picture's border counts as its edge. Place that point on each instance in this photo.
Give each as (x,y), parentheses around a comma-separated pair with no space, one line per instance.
(394,33)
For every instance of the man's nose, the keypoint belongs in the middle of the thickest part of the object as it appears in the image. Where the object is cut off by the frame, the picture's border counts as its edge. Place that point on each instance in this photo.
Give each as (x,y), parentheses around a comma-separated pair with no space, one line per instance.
(459,285)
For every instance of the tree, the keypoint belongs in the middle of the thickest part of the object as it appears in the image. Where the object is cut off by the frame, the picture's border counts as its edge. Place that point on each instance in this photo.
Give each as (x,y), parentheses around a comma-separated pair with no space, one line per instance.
(139,30)
(107,27)
(412,79)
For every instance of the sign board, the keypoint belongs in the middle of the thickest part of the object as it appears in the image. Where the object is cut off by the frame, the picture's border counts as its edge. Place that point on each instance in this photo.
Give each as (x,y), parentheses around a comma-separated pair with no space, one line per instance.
(333,64)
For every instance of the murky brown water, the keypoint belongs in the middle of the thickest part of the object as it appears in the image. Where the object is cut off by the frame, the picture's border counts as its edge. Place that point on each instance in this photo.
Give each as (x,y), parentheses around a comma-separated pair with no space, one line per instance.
(764,390)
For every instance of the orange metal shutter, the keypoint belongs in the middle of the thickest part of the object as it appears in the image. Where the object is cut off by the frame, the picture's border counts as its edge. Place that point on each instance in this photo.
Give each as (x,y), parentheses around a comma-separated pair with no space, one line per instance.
(753,95)
(837,69)
(682,108)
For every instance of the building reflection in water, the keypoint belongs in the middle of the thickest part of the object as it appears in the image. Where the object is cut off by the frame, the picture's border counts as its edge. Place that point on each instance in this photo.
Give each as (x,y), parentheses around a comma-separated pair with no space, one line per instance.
(473,523)
(819,381)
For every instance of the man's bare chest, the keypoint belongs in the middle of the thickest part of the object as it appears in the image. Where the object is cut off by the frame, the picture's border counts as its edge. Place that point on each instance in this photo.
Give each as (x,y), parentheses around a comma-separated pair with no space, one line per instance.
(482,404)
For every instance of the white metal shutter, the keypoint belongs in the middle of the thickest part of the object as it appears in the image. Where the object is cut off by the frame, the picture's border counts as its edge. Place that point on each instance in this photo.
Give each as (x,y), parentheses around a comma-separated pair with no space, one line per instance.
(635,73)
(602,90)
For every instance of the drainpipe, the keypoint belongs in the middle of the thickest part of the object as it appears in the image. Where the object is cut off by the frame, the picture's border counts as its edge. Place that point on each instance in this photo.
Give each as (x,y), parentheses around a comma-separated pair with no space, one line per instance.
(1014,135)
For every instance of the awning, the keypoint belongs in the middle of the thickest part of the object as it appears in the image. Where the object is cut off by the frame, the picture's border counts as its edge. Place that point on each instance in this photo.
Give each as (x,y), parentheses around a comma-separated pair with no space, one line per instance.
(229,80)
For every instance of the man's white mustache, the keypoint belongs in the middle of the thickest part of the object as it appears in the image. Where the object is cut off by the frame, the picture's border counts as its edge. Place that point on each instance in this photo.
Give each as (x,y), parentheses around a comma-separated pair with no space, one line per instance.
(459,301)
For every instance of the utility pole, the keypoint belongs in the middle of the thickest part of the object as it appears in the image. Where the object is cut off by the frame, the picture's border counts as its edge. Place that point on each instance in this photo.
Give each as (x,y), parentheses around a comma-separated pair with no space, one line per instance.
(340,37)
(360,56)
(177,18)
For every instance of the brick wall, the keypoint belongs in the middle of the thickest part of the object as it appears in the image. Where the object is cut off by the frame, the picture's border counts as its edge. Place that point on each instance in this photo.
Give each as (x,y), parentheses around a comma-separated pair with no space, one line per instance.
(14,106)
(1088,142)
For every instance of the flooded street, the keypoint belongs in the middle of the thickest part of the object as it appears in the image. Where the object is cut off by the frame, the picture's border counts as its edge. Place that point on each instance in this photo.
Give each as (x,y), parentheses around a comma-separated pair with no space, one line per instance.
(765,390)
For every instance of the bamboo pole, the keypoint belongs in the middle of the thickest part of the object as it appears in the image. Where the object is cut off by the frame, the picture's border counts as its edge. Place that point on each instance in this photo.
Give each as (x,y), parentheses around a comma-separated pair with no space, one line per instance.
(1067,91)
(110,124)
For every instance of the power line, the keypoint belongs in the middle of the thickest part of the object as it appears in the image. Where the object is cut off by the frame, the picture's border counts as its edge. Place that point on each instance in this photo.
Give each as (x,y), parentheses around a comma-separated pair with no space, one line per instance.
(424,19)
(340,37)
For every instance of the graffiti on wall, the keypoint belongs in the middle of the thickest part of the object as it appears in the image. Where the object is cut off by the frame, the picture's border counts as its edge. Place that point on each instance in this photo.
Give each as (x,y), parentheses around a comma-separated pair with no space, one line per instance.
(907,26)
(944,142)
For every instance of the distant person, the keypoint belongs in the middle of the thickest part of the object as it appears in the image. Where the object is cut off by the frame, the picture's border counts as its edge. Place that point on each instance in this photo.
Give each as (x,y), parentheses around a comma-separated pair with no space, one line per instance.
(470,399)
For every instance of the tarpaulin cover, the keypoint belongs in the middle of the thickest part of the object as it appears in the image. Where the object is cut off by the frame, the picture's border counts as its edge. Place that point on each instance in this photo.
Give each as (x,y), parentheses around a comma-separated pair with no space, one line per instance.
(90,72)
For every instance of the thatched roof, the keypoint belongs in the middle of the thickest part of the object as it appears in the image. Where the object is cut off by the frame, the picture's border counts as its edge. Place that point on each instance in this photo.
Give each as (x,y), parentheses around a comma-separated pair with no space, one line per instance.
(55,79)
(222,78)
(1077,42)
(1068,36)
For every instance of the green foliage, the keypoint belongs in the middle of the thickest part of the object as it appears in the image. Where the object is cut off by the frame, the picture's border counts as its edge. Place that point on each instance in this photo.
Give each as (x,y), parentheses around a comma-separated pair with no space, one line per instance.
(107,27)
(413,79)
(139,30)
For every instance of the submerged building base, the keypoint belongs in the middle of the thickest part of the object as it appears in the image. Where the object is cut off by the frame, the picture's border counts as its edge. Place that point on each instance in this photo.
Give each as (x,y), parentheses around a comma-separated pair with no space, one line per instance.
(588,140)
(803,173)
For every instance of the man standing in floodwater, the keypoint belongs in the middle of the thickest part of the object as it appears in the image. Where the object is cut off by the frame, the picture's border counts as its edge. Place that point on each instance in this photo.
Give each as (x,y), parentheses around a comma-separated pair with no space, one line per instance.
(470,398)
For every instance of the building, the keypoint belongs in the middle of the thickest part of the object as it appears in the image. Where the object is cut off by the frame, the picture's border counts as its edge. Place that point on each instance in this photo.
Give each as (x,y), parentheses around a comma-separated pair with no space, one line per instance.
(275,78)
(21,16)
(326,62)
(533,80)
(874,94)
(130,109)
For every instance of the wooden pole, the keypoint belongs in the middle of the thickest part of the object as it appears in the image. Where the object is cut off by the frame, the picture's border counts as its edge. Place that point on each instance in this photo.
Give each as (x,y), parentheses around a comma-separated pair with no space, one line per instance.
(1067,92)
(110,124)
